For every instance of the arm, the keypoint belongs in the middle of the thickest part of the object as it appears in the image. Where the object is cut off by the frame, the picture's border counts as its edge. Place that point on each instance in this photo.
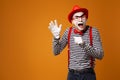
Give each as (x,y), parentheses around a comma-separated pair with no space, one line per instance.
(96,50)
(60,44)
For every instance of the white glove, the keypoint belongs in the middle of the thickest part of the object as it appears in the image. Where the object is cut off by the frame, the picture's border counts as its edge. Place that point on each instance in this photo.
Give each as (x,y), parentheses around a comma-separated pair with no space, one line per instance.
(78,40)
(55,29)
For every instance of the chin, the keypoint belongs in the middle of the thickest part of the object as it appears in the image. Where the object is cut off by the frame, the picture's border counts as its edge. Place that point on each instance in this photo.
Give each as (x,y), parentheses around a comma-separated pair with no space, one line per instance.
(80,28)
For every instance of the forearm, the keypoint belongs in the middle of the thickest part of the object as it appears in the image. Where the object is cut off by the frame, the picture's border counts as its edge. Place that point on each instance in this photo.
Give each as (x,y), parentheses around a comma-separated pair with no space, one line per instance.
(93,51)
(56,46)
(60,43)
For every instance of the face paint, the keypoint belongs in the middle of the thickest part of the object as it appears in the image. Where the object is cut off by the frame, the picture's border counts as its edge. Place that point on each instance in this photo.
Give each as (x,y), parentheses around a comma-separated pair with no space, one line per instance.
(79,20)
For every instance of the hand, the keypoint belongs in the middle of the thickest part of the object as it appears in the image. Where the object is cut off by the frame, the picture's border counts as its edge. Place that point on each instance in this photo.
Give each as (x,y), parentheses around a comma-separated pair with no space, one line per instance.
(78,40)
(55,29)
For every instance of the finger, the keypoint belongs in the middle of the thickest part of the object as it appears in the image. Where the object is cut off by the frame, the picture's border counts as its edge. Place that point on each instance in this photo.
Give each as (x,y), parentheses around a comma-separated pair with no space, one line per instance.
(49,27)
(55,22)
(51,23)
(60,26)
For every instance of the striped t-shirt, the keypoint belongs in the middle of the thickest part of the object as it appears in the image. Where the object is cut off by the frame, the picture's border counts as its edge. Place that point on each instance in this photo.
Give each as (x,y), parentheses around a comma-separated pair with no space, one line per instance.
(80,55)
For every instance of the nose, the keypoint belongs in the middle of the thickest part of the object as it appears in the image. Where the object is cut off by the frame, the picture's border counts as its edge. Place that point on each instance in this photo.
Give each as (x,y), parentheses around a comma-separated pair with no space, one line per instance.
(80,19)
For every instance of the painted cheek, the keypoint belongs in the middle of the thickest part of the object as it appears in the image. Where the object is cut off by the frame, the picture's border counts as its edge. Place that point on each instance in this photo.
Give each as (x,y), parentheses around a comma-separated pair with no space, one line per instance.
(84,20)
(74,22)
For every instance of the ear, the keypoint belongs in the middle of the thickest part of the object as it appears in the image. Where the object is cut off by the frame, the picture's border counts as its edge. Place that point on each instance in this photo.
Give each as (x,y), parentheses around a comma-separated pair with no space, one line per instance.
(72,21)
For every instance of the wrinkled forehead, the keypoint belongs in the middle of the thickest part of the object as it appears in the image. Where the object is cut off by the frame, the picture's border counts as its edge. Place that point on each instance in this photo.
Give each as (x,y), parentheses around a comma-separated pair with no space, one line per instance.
(78,14)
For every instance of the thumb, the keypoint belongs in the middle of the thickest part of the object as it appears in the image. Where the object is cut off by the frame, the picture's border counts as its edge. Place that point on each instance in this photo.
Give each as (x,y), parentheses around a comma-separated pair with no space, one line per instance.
(60,26)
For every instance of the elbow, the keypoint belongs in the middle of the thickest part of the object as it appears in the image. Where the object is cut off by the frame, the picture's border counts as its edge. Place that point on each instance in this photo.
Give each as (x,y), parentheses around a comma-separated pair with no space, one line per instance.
(100,57)
(56,53)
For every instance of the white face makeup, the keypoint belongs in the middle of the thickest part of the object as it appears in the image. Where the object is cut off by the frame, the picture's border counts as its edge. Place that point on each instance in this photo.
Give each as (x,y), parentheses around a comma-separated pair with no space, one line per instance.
(79,20)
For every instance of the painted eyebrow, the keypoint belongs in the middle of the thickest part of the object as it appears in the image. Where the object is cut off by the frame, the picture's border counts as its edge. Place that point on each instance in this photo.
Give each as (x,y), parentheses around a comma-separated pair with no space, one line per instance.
(80,16)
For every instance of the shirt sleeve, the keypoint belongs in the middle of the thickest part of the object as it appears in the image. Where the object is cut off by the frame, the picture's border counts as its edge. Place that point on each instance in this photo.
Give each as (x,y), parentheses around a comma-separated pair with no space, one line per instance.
(60,44)
(96,49)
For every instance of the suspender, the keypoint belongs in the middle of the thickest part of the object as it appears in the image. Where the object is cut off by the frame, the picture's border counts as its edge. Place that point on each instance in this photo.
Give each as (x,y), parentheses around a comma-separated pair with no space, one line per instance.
(90,35)
(91,43)
(69,34)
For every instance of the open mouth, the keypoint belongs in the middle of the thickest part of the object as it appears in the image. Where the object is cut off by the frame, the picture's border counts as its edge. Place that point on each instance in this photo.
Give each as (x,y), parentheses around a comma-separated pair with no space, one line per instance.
(80,24)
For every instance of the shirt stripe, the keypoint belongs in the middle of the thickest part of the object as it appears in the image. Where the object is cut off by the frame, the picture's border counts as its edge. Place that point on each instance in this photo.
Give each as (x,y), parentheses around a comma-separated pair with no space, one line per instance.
(80,55)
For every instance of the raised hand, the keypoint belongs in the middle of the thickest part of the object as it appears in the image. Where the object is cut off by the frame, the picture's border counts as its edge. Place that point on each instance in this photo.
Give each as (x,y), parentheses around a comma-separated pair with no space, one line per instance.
(55,29)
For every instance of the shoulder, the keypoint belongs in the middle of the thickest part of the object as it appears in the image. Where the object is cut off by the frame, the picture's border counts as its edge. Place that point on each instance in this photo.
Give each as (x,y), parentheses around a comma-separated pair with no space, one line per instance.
(94,28)
(68,29)
(95,31)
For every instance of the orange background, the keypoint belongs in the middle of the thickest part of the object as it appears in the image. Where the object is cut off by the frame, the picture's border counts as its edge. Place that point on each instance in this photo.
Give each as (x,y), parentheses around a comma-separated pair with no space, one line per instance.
(26,42)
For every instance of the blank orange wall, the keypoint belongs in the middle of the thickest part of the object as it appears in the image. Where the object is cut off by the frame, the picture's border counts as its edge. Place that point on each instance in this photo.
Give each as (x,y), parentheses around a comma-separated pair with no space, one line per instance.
(26,42)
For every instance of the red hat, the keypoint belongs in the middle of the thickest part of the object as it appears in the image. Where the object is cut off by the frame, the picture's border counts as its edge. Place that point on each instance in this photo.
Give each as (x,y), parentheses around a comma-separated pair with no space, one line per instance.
(75,9)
